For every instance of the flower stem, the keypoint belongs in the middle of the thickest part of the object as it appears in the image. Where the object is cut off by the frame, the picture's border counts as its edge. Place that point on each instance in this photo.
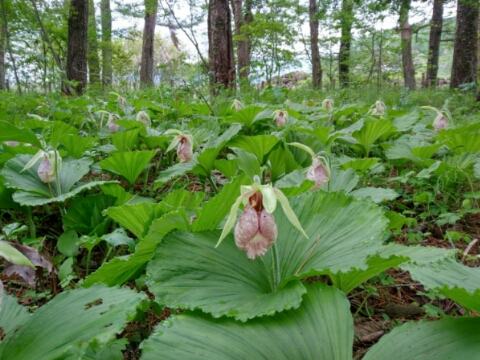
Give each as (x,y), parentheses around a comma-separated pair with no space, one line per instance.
(210,180)
(276,267)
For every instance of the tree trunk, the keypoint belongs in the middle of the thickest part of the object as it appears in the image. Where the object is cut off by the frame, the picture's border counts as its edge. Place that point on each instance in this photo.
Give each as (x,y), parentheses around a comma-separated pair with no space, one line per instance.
(106,22)
(220,45)
(346,24)
(77,44)
(92,51)
(146,65)
(406,36)
(2,54)
(316,63)
(464,66)
(9,48)
(434,43)
(243,43)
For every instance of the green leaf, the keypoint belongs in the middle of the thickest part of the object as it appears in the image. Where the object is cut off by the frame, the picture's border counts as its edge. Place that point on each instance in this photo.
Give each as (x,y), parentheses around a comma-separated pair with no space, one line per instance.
(215,210)
(227,167)
(449,338)
(12,315)
(246,116)
(294,184)
(68,243)
(476,169)
(94,314)
(377,194)
(125,140)
(460,143)
(372,131)
(322,328)
(9,132)
(360,165)
(259,145)
(341,180)
(128,164)
(248,163)
(60,131)
(77,145)
(119,237)
(425,152)
(9,253)
(176,170)
(85,214)
(343,233)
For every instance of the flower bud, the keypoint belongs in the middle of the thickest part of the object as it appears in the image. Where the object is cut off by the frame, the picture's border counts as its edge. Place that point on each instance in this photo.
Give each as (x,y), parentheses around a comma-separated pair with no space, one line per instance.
(112,125)
(143,117)
(440,122)
(318,173)
(379,108)
(255,232)
(327,104)
(184,150)
(280,117)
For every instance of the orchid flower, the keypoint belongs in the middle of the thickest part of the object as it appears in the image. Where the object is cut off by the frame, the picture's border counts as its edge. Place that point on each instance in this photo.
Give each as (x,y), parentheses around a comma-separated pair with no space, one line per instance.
(441,121)
(51,163)
(237,105)
(256,230)
(378,108)
(185,144)
(143,117)
(327,104)
(319,171)
(280,117)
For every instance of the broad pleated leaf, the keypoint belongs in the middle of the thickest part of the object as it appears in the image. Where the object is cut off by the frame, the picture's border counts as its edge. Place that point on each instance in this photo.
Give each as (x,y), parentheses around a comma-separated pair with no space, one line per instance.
(187,271)
(376,194)
(176,170)
(226,167)
(295,183)
(72,320)
(259,145)
(118,271)
(60,130)
(246,116)
(455,280)
(125,140)
(85,214)
(342,180)
(425,152)
(128,164)
(321,329)
(9,132)
(361,165)
(77,145)
(12,314)
(445,339)
(476,169)
(372,131)
(461,143)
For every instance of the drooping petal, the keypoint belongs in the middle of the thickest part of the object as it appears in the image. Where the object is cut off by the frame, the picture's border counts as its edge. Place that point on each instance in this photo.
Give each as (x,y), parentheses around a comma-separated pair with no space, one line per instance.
(289,211)
(269,198)
(33,160)
(231,219)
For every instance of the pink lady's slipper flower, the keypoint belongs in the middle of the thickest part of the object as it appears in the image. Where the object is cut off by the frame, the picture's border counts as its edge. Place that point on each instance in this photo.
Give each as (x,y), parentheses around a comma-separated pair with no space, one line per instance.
(185,145)
(378,108)
(280,117)
(112,125)
(256,230)
(319,171)
(143,117)
(51,163)
(441,121)
(327,104)
(237,105)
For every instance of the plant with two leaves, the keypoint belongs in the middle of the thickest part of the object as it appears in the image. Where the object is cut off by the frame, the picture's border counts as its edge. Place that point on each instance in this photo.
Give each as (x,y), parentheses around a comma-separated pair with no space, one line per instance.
(256,230)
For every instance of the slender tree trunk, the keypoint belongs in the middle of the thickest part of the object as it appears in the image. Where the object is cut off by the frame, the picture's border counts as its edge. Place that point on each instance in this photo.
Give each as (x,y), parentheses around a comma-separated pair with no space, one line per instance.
(106,22)
(346,24)
(92,51)
(434,43)
(146,65)
(243,41)
(316,63)
(9,48)
(406,36)
(2,54)
(464,66)
(77,44)
(220,45)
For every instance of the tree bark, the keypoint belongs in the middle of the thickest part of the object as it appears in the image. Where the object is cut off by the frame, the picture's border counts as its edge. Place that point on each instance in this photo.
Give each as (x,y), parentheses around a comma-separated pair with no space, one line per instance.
(316,63)
(9,48)
(77,45)
(146,65)
(2,53)
(346,24)
(243,41)
(406,41)
(106,22)
(220,45)
(92,50)
(464,66)
(434,43)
